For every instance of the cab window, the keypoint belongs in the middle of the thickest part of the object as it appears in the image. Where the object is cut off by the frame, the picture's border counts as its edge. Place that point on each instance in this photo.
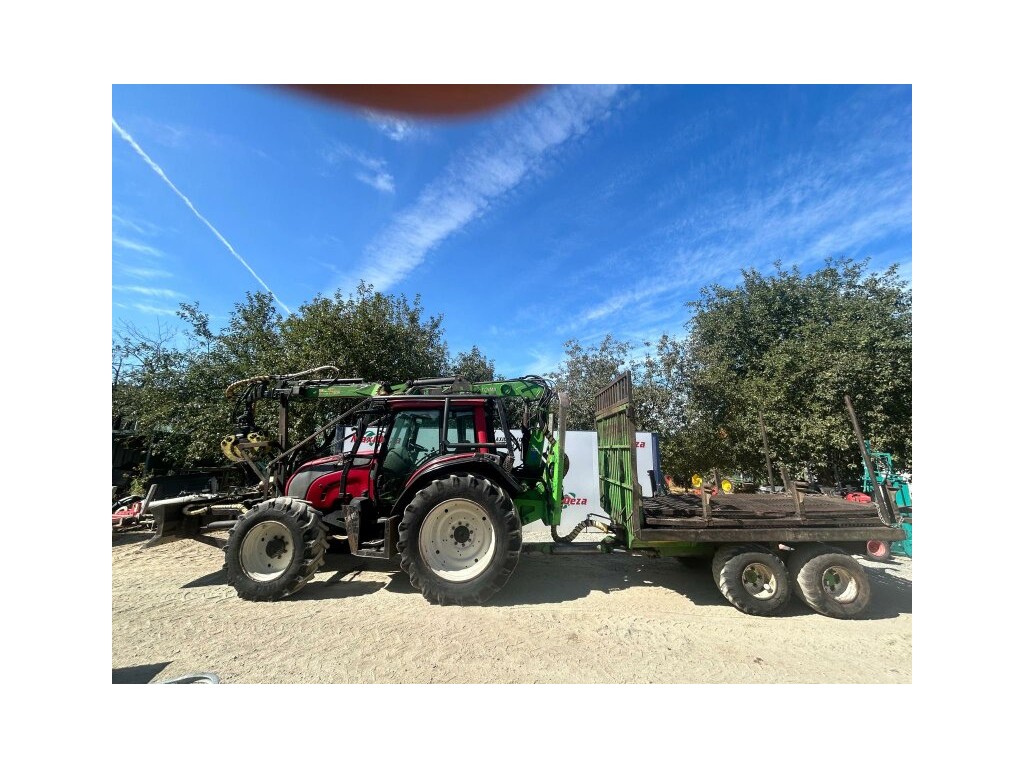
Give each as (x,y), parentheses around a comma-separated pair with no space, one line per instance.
(461,429)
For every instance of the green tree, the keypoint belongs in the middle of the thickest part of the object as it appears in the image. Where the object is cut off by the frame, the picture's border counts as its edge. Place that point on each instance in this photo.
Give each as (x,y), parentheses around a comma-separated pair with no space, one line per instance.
(659,401)
(174,383)
(791,346)
(146,374)
(584,372)
(368,335)
(474,366)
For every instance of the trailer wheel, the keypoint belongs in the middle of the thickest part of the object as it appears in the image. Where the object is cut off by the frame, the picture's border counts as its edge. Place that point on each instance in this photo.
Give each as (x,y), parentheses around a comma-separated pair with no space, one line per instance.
(833,584)
(878,551)
(802,554)
(751,578)
(459,540)
(274,549)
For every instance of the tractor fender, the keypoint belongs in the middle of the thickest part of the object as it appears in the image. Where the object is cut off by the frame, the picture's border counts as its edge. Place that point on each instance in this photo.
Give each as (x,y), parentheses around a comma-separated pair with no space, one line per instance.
(484,464)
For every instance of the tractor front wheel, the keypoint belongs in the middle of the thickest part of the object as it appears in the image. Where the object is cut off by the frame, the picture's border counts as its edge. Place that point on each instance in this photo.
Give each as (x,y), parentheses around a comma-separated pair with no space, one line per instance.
(274,549)
(460,539)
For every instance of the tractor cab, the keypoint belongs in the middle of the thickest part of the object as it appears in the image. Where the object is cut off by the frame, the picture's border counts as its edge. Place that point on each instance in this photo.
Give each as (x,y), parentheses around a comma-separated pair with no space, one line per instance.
(413,439)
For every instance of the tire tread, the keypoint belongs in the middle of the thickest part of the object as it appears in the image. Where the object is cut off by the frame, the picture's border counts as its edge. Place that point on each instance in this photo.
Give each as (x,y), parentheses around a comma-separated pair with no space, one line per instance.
(475,488)
(293,513)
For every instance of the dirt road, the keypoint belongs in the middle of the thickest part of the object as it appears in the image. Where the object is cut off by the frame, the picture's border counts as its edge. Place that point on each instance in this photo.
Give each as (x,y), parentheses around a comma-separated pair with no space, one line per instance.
(566,619)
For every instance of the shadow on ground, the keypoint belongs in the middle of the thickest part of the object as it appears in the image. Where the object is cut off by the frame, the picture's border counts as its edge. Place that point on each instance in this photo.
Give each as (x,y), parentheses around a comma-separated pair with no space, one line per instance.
(546,579)
(217,578)
(891,595)
(138,675)
(121,538)
(340,584)
(541,579)
(344,567)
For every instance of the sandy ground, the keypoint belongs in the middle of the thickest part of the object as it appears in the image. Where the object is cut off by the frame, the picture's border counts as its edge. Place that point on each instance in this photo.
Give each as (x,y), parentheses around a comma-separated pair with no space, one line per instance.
(560,619)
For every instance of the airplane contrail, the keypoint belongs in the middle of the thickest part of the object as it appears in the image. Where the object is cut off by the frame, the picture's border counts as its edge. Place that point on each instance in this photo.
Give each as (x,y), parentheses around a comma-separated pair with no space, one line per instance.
(159,172)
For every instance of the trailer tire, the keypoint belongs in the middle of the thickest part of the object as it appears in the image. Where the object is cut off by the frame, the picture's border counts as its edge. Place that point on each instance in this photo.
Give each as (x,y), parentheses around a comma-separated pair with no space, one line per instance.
(274,549)
(802,554)
(752,578)
(460,539)
(833,584)
(879,551)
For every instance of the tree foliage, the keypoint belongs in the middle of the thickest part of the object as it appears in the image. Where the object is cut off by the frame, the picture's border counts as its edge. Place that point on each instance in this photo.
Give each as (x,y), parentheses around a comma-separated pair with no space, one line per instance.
(174,385)
(474,366)
(584,372)
(784,345)
(791,346)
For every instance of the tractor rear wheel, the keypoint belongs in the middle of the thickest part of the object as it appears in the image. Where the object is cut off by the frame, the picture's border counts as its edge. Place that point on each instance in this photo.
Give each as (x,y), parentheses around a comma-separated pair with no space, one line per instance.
(460,539)
(274,549)
(751,578)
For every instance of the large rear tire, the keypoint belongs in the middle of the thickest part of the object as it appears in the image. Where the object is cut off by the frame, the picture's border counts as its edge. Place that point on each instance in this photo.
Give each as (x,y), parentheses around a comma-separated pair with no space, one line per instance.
(459,540)
(751,578)
(274,549)
(833,584)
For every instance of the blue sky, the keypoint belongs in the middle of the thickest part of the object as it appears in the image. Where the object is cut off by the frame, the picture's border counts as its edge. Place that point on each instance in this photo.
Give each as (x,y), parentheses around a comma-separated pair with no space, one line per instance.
(578,212)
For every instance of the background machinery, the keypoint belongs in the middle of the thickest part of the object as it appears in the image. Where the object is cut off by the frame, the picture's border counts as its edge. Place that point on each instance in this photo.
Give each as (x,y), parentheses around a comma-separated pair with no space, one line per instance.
(879,473)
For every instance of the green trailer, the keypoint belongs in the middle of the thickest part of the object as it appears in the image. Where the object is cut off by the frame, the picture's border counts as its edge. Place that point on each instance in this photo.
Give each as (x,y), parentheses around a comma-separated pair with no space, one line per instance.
(763,548)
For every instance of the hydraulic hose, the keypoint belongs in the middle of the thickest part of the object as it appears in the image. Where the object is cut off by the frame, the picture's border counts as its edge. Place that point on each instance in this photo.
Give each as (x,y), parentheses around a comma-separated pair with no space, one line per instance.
(236,384)
(588,523)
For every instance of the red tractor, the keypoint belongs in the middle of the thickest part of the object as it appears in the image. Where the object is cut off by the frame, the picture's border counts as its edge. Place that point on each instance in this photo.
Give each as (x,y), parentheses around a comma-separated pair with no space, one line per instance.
(428,476)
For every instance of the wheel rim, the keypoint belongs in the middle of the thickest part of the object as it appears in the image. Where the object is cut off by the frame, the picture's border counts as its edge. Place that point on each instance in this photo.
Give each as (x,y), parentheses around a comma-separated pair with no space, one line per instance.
(759,581)
(266,551)
(839,584)
(457,540)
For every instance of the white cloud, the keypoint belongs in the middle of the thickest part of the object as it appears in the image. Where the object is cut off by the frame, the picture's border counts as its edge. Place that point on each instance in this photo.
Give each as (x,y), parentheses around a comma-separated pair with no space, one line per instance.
(539,363)
(144,273)
(134,245)
(151,310)
(624,299)
(168,134)
(815,206)
(135,225)
(374,170)
(475,181)
(383,182)
(395,128)
(145,290)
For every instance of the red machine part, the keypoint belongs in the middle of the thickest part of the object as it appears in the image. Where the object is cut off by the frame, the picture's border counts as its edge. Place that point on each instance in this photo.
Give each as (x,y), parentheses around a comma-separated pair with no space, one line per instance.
(125,516)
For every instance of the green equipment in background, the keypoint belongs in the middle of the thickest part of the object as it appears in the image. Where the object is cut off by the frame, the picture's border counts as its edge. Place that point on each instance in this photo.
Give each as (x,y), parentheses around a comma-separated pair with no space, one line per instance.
(881,472)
